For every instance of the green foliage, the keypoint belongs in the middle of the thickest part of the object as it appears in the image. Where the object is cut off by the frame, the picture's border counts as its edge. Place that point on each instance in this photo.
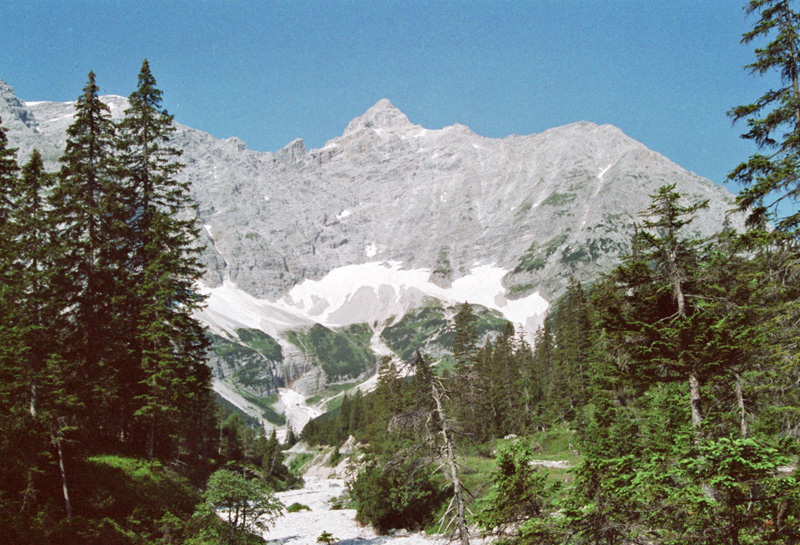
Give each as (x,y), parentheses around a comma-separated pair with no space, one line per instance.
(261,343)
(336,425)
(429,329)
(443,266)
(298,461)
(326,538)
(297,507)
(267,410)
(559,199)
(752,501)
(395,496)
(769,176)
(342,354)
(519,503)
(117,500)
(248,508)
(532,259)
(535,257)
(100,351)
(422,327)
(226,407)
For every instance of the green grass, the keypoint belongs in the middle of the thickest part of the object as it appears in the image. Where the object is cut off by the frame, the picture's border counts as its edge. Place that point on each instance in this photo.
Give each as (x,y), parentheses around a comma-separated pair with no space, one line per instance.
(557,443)
(296,464)
(122,499)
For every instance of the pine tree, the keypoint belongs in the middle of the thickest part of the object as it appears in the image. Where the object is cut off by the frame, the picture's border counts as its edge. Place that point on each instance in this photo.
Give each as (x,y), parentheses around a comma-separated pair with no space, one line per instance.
(773,122)
(573,340)
(662,275)
(167,341)
(89,270)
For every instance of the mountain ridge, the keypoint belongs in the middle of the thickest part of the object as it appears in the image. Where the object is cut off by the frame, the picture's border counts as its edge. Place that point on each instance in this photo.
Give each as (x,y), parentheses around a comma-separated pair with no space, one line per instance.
(423,212)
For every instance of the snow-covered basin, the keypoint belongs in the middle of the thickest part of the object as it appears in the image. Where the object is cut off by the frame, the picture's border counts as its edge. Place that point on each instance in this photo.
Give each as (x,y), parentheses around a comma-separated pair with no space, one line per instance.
(304,527)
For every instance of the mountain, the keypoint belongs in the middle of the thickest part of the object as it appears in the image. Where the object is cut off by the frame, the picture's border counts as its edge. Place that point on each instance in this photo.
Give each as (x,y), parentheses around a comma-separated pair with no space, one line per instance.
(313,252)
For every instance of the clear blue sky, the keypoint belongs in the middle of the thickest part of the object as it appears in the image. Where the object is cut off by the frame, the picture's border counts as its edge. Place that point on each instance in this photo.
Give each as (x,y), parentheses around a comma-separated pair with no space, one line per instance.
(269,71)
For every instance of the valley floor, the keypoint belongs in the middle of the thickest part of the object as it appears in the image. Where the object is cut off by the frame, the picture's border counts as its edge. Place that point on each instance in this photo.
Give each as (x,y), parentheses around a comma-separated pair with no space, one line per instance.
(304,527)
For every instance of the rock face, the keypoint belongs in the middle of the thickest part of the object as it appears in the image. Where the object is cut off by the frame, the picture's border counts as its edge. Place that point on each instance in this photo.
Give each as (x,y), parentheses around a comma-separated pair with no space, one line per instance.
(541,207)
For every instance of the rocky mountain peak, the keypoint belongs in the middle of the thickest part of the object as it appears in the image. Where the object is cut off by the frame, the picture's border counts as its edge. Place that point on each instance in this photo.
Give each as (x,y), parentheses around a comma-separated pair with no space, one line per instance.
(12,109)
(383,115)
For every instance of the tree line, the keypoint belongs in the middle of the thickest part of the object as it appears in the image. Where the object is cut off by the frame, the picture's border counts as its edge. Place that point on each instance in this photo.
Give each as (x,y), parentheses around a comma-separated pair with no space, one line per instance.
(678,370)
(100,352)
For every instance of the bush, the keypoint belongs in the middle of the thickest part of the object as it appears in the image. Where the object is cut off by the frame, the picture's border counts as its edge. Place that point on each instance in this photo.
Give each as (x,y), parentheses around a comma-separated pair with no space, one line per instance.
(395,496)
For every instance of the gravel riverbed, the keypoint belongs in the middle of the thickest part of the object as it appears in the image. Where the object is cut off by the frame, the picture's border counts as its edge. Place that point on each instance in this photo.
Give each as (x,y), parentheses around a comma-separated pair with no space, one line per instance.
(304,527)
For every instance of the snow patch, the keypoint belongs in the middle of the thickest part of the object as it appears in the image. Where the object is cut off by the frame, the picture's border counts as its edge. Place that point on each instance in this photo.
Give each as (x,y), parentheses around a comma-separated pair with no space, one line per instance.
(345,214)
(295,409)
(372,292)
(228,308)
(371,249)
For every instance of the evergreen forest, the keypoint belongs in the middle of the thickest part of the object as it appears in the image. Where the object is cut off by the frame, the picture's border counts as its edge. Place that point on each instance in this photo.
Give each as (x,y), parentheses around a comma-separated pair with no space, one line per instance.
(109,424)
(671,381)
(656,405)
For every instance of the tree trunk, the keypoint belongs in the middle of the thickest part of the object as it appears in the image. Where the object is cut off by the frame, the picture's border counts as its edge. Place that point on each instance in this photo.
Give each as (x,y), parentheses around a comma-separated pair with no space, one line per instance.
(694,396)
(742,413)
(58,439)
(694,381)
(34,398)
(151,437)
(787,23)
(458,489)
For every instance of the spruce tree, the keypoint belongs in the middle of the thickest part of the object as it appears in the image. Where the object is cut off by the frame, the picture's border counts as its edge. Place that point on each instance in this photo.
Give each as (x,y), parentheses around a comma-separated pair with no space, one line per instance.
(12,387)
(32,236)
(167,341)
(88,269)
(772,175)
(573,339)
(662,275)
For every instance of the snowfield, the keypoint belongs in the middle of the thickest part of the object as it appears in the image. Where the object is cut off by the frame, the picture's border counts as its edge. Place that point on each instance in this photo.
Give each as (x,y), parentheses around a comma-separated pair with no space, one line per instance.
(369,293)
(366,293)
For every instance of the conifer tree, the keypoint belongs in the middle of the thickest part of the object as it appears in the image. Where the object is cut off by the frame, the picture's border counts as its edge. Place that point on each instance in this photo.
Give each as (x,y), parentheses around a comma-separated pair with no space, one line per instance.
(12,388)
(573,341)
(89,269)
(657,311)
(32,237)
(772,175)
(167,341)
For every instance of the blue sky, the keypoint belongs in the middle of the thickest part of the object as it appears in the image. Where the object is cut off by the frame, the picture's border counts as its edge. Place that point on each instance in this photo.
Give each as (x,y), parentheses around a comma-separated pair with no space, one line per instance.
(270,71)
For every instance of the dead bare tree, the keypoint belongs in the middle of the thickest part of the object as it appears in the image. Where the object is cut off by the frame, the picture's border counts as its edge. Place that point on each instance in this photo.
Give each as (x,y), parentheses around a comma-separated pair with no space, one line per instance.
(431,418)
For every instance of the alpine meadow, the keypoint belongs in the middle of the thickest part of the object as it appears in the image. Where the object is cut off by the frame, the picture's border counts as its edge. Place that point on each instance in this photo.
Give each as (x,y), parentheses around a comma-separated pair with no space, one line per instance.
(407,336)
